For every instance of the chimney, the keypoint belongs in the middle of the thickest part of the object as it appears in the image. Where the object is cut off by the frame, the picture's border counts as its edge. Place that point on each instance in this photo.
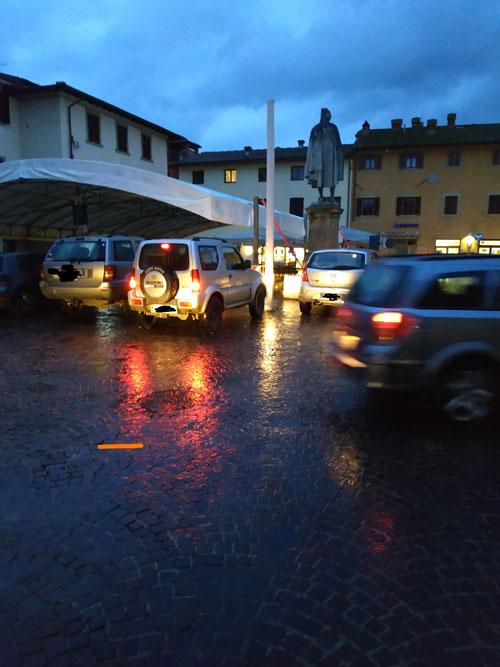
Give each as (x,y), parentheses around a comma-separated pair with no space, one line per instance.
(366,127)
(416,122)
(432,122)
(301,143)
(396,123)
(451,119)
(248,150)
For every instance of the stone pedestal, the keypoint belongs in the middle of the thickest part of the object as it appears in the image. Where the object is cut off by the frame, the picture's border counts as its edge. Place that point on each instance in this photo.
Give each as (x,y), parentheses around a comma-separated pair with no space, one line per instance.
(323,226)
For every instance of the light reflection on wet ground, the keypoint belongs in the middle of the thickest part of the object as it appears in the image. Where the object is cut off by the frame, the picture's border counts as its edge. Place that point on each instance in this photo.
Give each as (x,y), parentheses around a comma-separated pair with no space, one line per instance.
(272,501)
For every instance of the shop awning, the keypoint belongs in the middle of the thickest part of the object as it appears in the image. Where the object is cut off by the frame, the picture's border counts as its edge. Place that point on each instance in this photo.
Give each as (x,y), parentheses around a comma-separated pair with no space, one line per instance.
(37,196)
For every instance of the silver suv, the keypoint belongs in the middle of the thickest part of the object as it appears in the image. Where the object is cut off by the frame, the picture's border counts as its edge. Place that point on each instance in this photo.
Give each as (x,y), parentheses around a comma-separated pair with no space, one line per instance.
(427,323)
(89,270)
(329,275)
(194,278)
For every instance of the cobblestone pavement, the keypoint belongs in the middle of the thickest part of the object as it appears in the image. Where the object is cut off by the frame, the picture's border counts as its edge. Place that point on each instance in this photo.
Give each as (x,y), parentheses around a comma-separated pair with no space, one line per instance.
(275,516)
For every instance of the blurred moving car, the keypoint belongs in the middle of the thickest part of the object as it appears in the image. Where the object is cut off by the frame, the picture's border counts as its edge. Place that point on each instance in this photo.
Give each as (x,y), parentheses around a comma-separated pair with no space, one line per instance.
(89,270)
(329,275)
(19,277)
(429,323)
(195,278)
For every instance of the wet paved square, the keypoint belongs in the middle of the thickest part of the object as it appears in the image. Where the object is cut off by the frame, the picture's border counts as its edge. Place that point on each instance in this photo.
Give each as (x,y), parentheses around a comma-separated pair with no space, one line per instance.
(274,516)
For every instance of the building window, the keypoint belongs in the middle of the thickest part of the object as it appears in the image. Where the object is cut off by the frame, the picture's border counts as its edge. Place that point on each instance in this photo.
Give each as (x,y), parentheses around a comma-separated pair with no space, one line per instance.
(262,177)
(230,175)
(370,162)
(146,146)
(297,173)
(450,205)
(122,138)
(198,176)
(408,206)
(367,206)
(494,204)
(411,161)
(454,159)
(495,157)
(297,206)
(4,107)
(337,201)
(93,128)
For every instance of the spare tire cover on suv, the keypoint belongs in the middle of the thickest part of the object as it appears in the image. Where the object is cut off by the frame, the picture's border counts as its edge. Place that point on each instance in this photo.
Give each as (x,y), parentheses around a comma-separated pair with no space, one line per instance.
(159,284)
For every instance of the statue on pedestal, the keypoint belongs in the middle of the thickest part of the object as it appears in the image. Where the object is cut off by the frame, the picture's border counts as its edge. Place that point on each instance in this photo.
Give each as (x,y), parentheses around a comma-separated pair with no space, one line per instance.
(325,157)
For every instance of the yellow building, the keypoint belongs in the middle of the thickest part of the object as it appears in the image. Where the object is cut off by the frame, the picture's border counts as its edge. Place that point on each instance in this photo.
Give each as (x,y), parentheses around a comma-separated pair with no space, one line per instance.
(429,188)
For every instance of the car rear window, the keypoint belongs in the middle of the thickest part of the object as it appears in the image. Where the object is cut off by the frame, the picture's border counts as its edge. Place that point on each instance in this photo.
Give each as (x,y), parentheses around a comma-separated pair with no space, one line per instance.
(174,256)
(380,286)
(336,260)
(75,250)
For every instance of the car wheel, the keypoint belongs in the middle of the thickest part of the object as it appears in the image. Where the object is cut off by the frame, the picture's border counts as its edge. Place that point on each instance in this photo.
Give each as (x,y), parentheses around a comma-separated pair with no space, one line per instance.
(257,306)
(144,321)
(469,393)
(212,318)
(24,303)
(305,307)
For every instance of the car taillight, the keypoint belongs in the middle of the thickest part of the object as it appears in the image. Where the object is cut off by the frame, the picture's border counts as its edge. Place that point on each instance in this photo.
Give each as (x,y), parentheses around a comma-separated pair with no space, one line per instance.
(195,280)
(305,277)
(391,325)
(344,314)
(109,272)
(132,283)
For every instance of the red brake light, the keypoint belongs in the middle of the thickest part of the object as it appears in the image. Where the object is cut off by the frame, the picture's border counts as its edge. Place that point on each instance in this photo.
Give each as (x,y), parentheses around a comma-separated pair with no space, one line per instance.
(389,325)
(109,272)
(132,283)
(344,313)
(305,277)
(164,246)
(195,280)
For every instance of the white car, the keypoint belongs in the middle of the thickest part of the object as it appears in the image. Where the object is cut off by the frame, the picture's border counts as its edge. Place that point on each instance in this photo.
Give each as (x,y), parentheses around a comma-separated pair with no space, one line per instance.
(195,278)
(329,275)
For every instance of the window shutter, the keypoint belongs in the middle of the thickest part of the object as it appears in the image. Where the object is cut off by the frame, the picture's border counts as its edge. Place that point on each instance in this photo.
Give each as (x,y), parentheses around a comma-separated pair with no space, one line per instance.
(417,205)
(358,207)
(361,163)
(402,161)
(378,162)
(376,205)
(398,206)
(420,160)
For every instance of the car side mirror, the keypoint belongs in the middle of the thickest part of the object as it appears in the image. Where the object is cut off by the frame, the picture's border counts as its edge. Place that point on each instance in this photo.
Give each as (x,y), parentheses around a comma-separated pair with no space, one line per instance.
(248,264)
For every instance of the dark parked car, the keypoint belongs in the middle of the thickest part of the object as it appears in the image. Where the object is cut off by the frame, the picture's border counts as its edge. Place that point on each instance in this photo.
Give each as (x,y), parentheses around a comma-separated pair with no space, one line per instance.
(427,323)
(19,278)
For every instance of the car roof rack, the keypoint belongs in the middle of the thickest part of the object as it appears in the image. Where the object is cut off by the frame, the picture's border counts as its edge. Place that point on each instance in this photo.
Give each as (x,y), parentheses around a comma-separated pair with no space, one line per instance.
(436,257)
(209,238)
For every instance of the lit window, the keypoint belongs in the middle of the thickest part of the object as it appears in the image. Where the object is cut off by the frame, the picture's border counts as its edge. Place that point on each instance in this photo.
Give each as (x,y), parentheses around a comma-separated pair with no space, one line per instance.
(229,175)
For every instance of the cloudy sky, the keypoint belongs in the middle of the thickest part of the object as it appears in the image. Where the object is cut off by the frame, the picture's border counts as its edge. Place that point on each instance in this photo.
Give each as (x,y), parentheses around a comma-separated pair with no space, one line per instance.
(205,68)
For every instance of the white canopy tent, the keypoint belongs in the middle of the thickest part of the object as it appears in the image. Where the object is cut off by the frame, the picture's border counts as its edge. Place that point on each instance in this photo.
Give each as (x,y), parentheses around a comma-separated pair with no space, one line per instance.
(36,199)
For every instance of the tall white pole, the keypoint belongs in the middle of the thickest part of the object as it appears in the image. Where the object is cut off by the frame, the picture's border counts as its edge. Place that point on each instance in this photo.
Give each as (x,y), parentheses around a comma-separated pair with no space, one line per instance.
(269,260)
